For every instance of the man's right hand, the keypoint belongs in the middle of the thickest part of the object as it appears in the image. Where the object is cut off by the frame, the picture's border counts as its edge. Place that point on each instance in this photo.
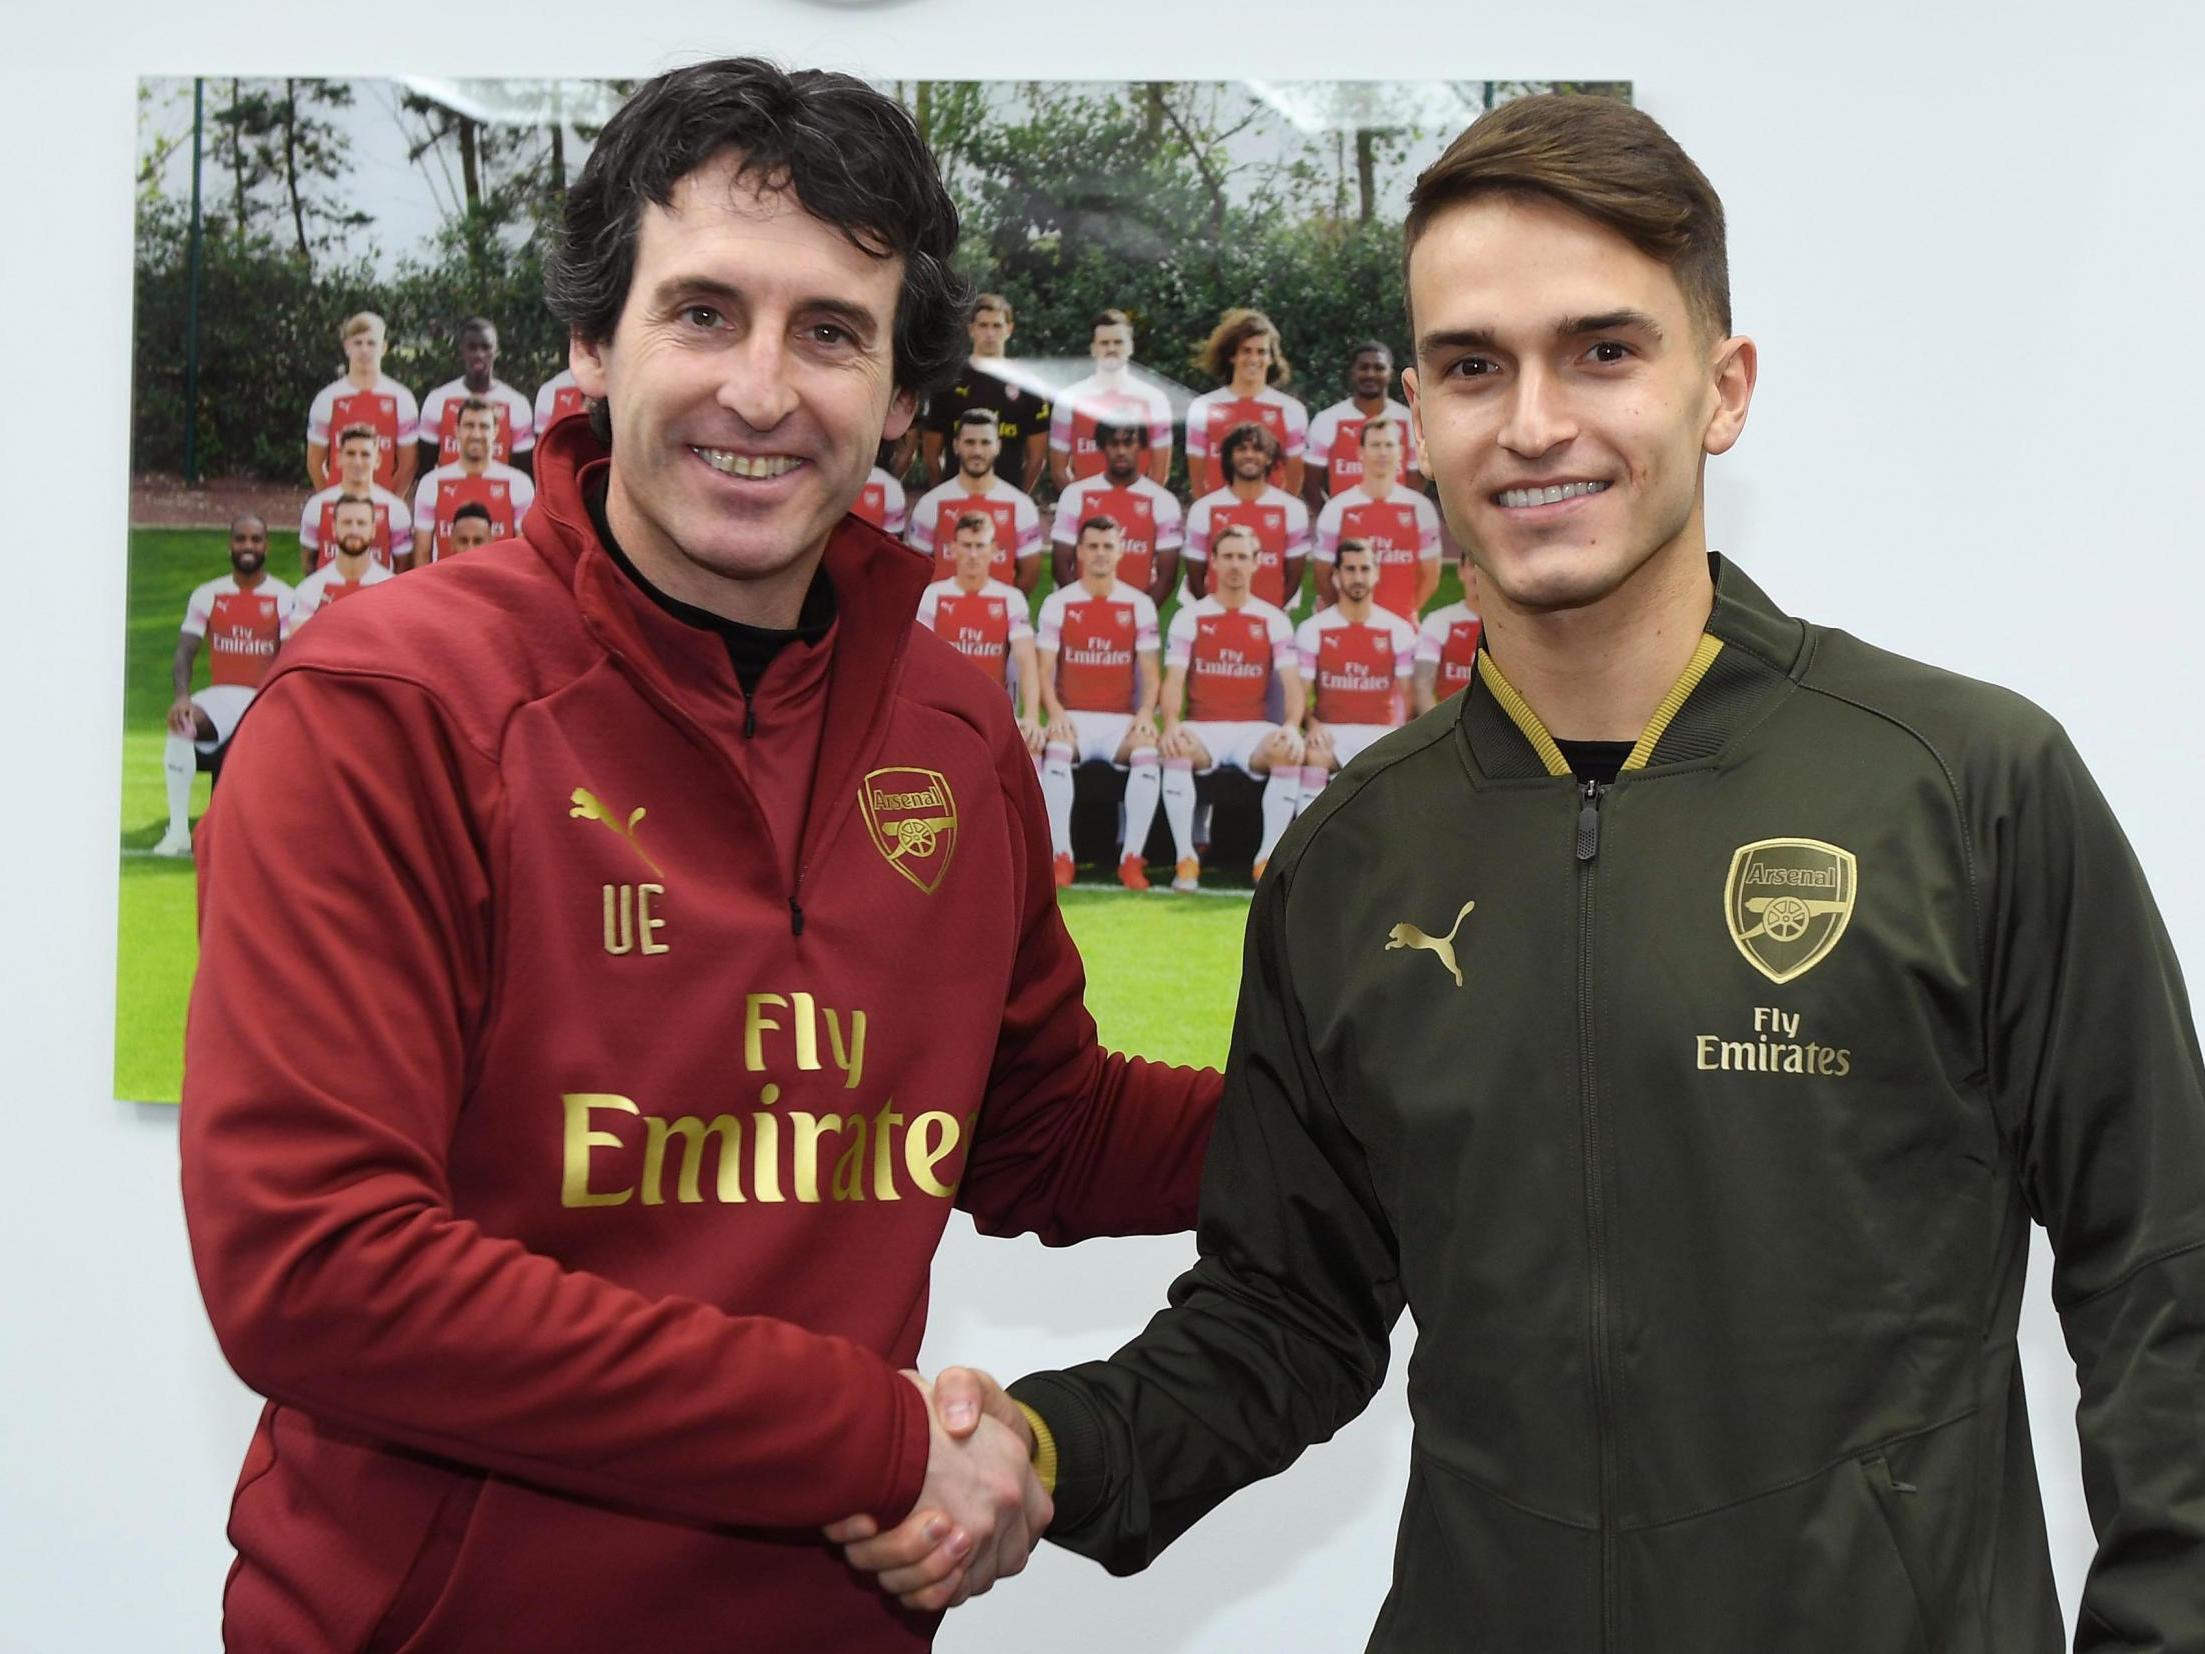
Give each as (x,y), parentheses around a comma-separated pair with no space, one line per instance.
(182,720)
(980,1511)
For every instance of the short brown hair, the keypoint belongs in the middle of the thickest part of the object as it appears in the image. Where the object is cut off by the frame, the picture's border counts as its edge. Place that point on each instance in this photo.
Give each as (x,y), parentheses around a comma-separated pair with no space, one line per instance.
(1234,329)
(1111,318)
(992,301)
(358,433)
(973,519)
(1603,160)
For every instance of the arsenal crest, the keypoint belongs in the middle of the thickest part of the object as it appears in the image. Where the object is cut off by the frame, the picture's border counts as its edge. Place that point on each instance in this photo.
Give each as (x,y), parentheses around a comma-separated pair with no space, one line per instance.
(1787,901)
(912,818)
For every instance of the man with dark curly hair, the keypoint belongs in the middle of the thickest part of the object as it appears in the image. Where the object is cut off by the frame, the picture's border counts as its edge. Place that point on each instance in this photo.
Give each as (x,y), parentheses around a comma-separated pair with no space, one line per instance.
(694,948)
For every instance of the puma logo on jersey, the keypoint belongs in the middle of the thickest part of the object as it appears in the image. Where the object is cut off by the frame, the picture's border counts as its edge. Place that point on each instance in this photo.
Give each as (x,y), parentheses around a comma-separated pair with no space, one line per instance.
(588,807)
(1406,935)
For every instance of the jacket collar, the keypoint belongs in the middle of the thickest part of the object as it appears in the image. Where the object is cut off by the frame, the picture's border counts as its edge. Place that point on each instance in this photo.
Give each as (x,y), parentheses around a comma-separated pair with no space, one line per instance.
(1749,654)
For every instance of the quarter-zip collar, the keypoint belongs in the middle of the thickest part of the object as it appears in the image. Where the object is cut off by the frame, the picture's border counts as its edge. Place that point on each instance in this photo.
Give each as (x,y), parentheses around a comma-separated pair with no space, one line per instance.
(1749,654)
(877,582)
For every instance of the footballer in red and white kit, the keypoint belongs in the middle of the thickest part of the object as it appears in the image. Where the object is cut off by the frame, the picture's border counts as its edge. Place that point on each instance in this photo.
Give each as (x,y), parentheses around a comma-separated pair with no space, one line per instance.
(474,479)
(1220,658)
(1335,434)
(1244,351)
(1097,646)
(352,568)
(1017,520)
(1400,525)
(478,354)
(1447,647)
(392,536)
(1279,521)
(240,618)
(984,619)
(1356,663)
(366,395)
(557,397)
(881,503)
(1151,526)
(1111,396)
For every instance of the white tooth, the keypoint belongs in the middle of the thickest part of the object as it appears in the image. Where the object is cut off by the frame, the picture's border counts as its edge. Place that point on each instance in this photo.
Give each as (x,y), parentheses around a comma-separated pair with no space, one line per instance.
(1553,494)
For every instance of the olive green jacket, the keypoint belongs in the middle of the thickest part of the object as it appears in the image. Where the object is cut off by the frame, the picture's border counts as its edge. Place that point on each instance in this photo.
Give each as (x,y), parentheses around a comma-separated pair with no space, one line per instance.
(1700,1120)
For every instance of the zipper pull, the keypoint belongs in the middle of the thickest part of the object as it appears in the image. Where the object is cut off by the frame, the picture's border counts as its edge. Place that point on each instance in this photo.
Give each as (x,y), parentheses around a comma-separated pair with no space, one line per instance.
(796,918)
(1588,823)
(750,716)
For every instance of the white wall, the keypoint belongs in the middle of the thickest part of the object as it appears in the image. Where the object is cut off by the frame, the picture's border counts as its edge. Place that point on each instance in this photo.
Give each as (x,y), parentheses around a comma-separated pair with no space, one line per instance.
(1967,237)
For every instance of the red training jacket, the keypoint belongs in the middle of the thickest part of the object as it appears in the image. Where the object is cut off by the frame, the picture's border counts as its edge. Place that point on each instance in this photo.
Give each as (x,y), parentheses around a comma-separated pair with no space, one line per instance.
(581,1067)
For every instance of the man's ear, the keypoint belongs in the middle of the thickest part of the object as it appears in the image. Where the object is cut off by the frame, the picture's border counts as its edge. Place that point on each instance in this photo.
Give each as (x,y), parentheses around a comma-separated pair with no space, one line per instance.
(585,359)
(903,407)
(1737,362)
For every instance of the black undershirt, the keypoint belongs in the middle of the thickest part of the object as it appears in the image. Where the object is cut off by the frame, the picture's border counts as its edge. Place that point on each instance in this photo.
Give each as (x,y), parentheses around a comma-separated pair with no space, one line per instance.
(750,649)
(1599,761)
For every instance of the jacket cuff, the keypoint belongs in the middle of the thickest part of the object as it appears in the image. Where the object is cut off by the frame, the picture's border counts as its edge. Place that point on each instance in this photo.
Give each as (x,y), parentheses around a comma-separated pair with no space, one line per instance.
(1075,1428)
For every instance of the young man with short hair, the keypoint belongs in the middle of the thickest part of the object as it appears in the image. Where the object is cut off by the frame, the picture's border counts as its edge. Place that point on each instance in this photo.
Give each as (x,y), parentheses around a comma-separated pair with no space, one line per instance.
(1447,644)
(364,395)
(1110,395)
(392,536)
(1021,415)
(1335,433)
(691,949)
(475,478)
(1687,1023)
(472,528)
(1276,520)
(984,620)
(1222,656)
(1097,642)
(932,525)
(1399,525)
(241,618)
(1151,526)
(516,415)
(1356,660)
(352,568)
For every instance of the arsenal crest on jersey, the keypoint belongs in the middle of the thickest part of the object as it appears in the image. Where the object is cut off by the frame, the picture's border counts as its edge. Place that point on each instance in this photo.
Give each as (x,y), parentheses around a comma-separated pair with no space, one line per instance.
(912,818)
(1787,901)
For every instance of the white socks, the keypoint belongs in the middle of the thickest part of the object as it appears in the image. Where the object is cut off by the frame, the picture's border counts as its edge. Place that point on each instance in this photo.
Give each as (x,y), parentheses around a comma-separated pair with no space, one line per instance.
(179,763)
(1280,794)
(1314,777)
(1056,793)
(1178,790)
(1143,784)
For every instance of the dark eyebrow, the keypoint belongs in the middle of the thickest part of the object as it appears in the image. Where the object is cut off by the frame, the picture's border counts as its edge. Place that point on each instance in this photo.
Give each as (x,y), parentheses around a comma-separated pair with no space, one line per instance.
(1459,338)
(1611,321)
(675,290)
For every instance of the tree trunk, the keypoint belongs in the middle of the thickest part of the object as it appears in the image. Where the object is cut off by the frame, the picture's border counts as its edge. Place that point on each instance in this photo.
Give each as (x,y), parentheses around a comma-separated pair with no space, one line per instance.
(470,163)
(1152,113)
(1366,172)
(291,169)
(922,111)
(237,163)
(558,159)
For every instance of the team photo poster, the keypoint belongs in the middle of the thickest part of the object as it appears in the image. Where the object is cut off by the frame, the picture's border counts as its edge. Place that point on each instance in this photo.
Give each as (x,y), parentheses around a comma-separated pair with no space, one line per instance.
(342,360)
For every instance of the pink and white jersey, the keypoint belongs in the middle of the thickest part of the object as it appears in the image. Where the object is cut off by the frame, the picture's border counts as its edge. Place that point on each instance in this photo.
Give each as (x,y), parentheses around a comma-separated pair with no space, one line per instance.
(242,627)
(500,490)
(1212,414)
(556,397)
(1356,668)
(1402,528)
(933,525)
(980,625)
(388,407)
(1336,442)
(1279,521)
(440,420)
(881,503)
(1449,642)
(318,525)
(1147,514)
(324,587)
(1078,407)
(1096,641)
(1229,656)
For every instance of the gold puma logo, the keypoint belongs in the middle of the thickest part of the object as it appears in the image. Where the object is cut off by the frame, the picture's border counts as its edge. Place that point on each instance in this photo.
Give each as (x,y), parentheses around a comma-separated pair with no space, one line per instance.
(587,807)
(1406,935)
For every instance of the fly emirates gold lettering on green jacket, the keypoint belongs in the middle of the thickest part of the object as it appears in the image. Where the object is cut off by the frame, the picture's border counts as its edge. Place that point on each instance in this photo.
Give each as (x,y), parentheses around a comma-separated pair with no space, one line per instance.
(1700,1119)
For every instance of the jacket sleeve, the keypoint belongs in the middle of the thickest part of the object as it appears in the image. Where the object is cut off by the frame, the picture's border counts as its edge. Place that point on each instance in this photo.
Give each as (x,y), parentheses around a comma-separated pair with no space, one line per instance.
(1074,1141)
(1274,1339)
(347,926)
(2094,1060)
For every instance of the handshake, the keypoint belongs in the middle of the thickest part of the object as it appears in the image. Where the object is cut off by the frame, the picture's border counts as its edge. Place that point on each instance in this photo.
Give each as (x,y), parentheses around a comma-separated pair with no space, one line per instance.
(982,1508)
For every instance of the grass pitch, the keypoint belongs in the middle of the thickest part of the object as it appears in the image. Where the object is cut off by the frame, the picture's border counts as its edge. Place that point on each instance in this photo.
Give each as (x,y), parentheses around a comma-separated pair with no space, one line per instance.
(1162,971)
